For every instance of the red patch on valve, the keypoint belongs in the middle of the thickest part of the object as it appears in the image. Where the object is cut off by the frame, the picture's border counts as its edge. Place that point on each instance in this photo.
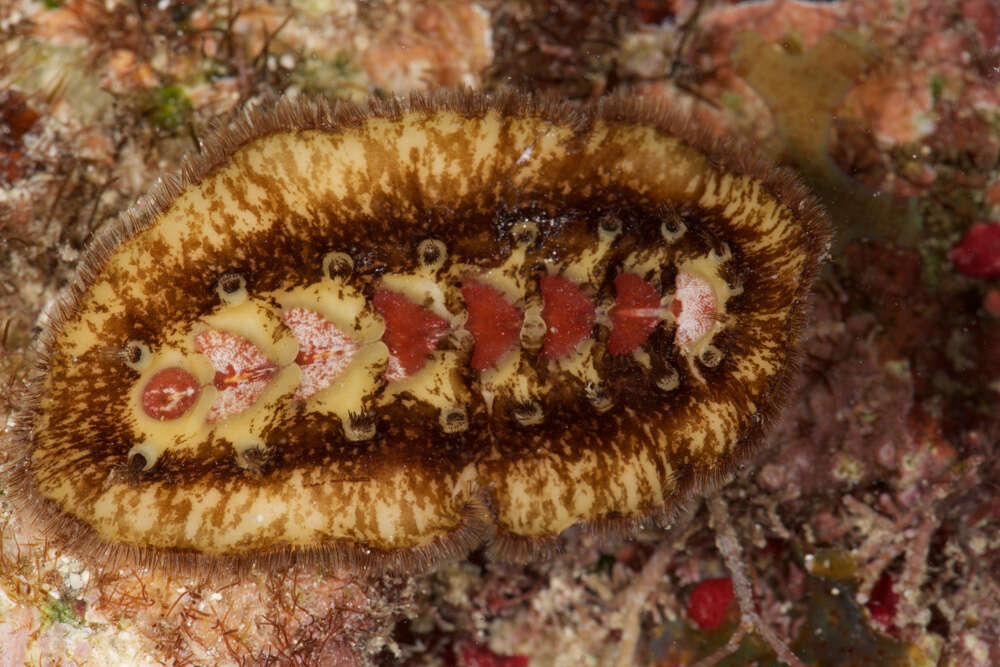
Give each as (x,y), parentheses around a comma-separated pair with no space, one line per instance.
(324,350)
(412,332)
(568,313)
(242,372)
(494,323)
(710,601)
(170,393)
(694,307)
(634,315)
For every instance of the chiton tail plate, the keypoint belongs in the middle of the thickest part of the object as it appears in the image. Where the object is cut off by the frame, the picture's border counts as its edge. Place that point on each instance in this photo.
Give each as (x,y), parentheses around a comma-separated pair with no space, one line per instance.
(383,336)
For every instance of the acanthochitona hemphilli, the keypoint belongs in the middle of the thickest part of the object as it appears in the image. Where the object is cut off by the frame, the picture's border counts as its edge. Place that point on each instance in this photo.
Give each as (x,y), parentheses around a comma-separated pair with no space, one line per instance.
(381,336)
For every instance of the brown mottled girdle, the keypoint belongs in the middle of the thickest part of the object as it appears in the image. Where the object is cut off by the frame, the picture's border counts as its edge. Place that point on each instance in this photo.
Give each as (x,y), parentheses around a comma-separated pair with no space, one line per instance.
(276,357)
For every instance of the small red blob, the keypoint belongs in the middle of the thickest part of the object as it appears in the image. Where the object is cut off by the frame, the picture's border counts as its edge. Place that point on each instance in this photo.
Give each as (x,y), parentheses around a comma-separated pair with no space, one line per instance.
(494,323)
(710,601)
(170,393)
(16,120)
(242,372)
(16,115)
(634,315)
(568,313)
(412,332)
(977,255)
(324,350)
(477,655)
(991,302)
(883,601)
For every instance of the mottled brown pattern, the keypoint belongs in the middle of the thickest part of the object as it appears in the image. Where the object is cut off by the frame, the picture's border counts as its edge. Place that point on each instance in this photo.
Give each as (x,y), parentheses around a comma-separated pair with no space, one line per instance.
(271,197)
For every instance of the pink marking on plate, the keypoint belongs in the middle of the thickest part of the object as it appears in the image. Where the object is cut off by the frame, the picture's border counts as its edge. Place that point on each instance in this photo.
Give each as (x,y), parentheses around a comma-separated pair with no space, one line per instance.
(635,314)
(324,350)
(569,315)
(412,332)
(694,307)
(494,323)
(242,372)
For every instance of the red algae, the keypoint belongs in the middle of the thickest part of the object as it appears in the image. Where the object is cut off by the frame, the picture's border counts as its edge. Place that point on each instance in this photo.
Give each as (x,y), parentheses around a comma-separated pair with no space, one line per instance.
(977,254)
(710,601)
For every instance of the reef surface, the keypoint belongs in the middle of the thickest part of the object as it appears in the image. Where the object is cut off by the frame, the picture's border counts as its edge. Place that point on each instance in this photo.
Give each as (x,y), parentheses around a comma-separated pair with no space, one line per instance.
(868,524)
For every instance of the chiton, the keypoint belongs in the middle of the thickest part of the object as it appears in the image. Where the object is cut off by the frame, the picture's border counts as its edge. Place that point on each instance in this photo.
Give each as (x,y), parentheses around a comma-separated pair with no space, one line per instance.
(382,336)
